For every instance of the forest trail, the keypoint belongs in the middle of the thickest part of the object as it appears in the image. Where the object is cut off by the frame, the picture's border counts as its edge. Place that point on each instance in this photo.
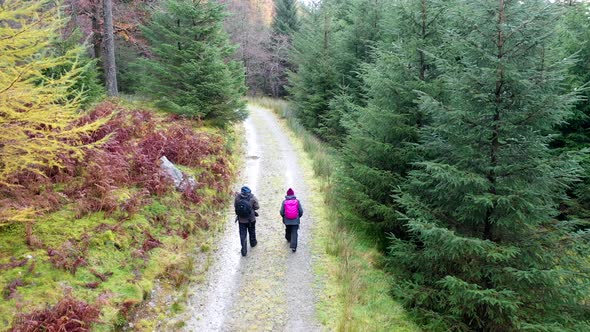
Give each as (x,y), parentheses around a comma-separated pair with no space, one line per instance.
(271,289)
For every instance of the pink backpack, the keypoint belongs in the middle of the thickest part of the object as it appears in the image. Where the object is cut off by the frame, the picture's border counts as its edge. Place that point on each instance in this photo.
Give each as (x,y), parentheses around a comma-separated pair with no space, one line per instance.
(291,209)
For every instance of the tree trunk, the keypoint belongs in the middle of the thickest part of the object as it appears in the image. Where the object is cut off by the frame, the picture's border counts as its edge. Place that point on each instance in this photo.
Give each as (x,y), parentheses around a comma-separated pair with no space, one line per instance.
(421,51)
(96,33)
(110,65)
(495,139)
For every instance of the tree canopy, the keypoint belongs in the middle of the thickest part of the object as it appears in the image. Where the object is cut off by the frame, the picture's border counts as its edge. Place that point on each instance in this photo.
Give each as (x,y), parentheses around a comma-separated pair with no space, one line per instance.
(285,20)
(38,112)
(191,72)
(39,108)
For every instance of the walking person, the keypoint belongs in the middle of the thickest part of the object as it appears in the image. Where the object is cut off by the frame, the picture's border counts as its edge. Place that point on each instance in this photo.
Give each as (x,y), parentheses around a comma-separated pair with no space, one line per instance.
(291,211)
(245,206)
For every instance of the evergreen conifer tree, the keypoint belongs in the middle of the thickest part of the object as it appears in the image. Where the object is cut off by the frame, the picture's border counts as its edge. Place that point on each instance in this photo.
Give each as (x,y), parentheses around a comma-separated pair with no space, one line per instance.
(88,80)
(381,145)
(361,30)
(485,251)
(347,32)
(574,37)
(285,20)
(190,73)
(313,82)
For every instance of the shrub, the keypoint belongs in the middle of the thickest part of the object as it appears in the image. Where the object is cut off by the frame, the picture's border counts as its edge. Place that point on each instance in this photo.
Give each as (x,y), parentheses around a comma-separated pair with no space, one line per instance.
(70,255)
(68,314)
(10,289)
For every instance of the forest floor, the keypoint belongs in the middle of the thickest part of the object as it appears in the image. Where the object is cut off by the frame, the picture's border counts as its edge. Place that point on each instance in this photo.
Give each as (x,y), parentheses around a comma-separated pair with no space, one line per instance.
(271,289)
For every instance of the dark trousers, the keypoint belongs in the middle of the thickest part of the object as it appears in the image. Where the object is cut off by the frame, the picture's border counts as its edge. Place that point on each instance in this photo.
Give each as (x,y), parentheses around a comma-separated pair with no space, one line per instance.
(247,228)
(291,235)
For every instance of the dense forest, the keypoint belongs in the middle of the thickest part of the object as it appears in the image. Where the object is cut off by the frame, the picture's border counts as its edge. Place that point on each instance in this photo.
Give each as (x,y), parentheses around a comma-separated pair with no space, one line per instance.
(463,130)
(460,132)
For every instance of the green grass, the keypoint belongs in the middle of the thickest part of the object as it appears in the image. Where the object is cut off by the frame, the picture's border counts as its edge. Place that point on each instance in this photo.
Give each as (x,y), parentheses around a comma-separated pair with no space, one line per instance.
(356,290)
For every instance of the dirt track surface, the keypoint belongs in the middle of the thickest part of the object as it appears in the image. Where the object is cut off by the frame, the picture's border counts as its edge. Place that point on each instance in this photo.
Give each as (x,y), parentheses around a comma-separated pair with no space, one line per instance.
(271,289)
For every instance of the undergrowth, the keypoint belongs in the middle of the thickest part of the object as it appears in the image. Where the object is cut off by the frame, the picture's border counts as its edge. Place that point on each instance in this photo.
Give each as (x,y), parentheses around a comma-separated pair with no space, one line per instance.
(68,314)
(112,224)
(357,296)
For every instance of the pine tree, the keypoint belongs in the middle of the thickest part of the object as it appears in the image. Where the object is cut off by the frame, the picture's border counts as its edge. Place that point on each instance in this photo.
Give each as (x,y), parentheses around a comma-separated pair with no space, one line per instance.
(285,20)
(381,145)
(361,33)
(354,42)
(574,37)
(88,80)
(347,33)
(37,111)
(485,251)
(313,82)
(191,73)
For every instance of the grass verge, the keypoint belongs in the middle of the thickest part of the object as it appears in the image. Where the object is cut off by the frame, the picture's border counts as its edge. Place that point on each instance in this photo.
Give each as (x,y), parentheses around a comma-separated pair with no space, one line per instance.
(356,290)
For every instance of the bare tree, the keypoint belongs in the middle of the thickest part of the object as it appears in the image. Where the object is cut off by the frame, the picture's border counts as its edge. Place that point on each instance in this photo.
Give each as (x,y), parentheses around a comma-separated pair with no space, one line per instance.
(278,64)
(110,67)
(249,27)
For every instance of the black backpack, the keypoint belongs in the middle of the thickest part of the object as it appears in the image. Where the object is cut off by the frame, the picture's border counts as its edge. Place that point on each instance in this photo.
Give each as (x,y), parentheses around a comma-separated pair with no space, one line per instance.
(243,208)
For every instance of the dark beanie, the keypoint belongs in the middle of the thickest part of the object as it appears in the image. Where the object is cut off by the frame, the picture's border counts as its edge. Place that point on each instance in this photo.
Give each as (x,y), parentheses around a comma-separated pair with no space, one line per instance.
(290,192)
(246,190)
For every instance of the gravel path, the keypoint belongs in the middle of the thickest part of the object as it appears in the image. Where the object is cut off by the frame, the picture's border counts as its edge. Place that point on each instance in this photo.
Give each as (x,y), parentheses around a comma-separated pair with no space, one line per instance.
(271,289)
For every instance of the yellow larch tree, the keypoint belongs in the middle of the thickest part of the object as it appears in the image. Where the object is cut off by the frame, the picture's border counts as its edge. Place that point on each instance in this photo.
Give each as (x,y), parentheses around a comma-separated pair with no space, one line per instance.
(37,112)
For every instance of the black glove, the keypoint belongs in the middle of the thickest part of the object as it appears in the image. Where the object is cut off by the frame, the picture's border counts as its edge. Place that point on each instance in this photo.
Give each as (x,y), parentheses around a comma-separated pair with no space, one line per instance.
(255,214)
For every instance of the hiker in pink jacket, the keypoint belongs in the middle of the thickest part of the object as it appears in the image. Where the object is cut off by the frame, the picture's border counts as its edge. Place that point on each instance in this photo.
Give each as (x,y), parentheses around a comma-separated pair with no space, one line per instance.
(291,211)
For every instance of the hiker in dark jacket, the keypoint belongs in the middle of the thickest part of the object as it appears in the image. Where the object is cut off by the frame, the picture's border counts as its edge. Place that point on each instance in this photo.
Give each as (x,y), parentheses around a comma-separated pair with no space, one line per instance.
(291,211)
(246,216)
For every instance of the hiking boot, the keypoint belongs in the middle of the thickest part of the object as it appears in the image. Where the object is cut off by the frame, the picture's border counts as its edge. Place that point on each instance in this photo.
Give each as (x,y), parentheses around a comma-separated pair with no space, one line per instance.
(244,252)
(293,249)
(253,244)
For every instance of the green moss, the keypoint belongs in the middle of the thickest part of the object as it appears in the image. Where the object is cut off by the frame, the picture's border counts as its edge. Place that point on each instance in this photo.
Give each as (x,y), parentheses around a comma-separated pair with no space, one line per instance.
(190,170)
(156,210)
(109,315)
(11,242)
(146,325)
(55,228)
(124,194)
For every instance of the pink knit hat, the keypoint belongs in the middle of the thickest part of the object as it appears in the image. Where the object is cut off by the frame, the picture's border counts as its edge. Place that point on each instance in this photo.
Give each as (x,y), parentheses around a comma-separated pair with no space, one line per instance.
(290,192)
